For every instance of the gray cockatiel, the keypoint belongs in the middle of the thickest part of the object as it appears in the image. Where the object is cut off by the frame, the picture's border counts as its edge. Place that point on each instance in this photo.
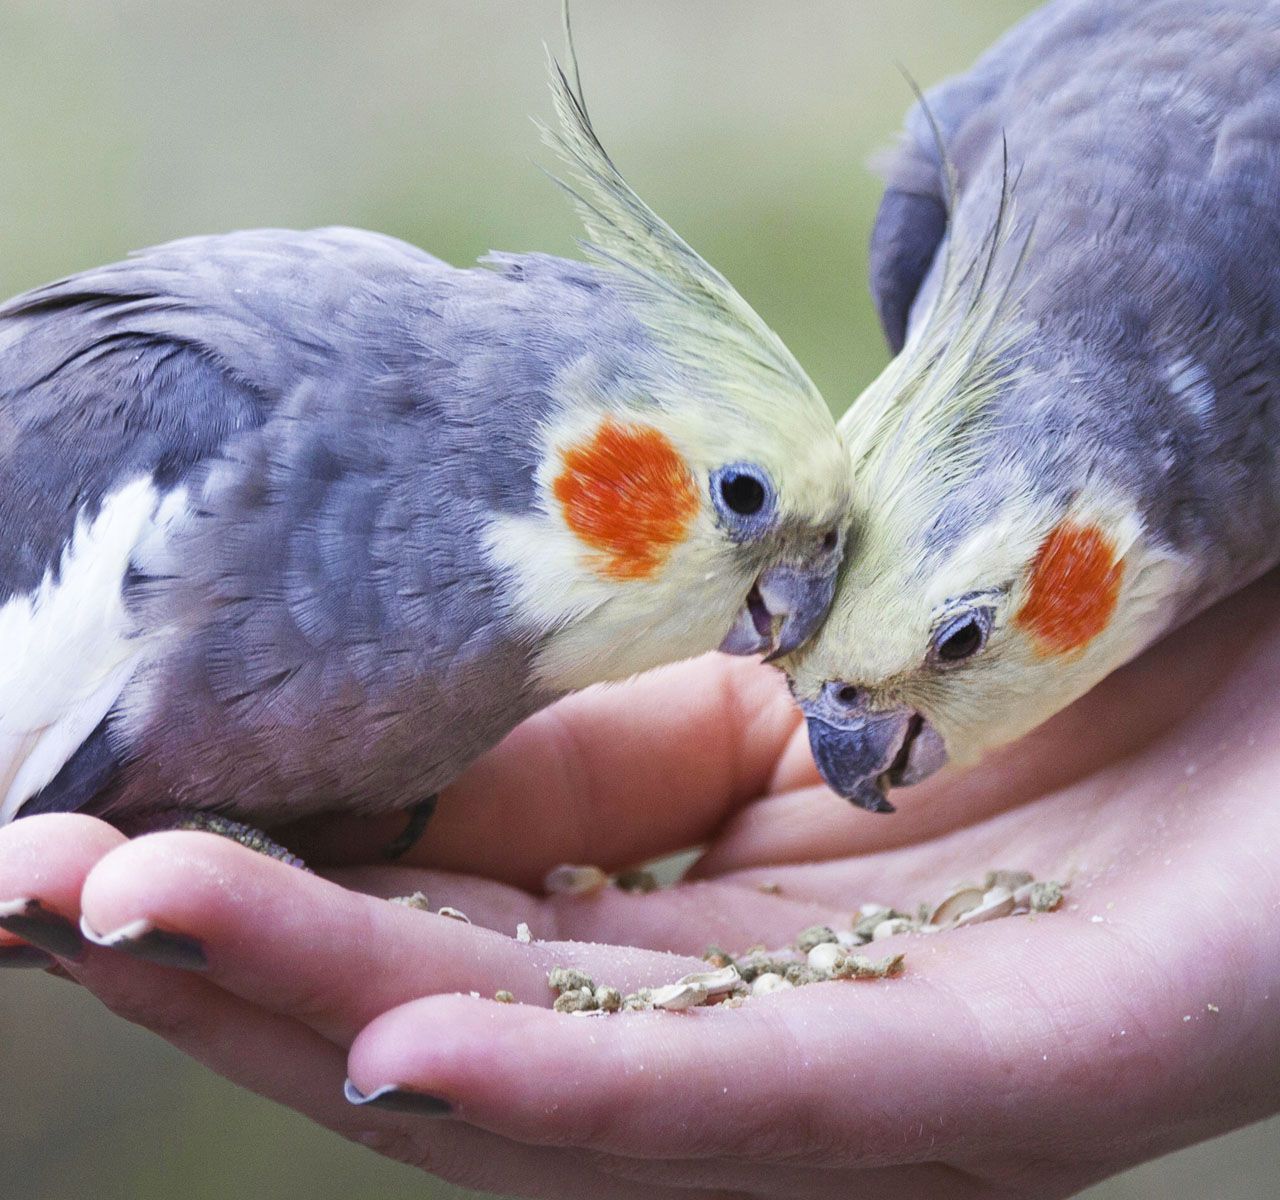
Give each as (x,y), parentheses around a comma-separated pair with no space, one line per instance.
(296,522)
(1077,446)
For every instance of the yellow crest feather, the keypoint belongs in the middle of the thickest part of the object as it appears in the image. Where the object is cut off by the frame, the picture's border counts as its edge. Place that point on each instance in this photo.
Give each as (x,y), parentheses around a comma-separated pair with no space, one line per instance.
(911,433)
(685,300)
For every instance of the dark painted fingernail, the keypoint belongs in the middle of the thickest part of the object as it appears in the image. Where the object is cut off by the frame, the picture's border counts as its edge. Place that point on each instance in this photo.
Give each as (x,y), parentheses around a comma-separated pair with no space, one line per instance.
(31,957)
(394,1099)
(31,921)
(142,939)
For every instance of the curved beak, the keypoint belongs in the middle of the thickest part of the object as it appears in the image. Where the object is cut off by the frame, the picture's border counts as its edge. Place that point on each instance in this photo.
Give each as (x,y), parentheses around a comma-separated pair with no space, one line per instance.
(862,754)
(783,609)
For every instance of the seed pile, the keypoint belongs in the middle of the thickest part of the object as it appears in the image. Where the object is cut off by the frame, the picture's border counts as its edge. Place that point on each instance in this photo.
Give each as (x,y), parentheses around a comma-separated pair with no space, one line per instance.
(817,954)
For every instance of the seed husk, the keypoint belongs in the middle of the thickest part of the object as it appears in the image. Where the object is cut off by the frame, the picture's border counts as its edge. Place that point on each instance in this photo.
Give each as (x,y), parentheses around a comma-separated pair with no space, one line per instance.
(581,999)
(859,966)
(955,904)
(608,999)
(641,881)
(1045,896)
(815,935)
(567,979)
(570,879)
(998,902)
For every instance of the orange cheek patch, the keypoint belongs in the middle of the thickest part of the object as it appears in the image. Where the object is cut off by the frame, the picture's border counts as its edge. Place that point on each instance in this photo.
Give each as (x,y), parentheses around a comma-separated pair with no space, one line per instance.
(627,494)
(1074,586)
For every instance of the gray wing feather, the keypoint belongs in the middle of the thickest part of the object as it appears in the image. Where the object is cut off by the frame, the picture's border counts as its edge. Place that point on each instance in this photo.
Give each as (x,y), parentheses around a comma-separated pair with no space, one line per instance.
(911,223)
(148,366)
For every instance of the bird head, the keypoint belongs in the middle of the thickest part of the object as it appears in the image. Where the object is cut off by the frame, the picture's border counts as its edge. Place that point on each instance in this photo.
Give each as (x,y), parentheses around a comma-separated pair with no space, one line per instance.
(693,488)
(988,582)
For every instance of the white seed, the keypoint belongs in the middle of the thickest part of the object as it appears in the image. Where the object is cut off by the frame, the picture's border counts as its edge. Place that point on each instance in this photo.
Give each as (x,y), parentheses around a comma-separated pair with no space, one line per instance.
(872,910)
(454,914)
(954,905)
(570,880)
(890,928)
(762,985)
(417,900)
(522,933)
(823,958)
(998,902)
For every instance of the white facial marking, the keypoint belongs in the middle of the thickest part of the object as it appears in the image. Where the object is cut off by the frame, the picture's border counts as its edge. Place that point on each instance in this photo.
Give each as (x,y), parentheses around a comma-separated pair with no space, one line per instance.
(1189,382)
(68,646)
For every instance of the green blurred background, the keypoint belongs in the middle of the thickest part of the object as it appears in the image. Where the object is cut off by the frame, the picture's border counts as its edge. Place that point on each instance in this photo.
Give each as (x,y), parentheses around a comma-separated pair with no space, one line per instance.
(747,124)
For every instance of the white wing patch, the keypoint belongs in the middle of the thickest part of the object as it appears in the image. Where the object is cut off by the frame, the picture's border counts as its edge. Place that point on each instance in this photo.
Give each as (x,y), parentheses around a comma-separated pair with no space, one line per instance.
(68,648)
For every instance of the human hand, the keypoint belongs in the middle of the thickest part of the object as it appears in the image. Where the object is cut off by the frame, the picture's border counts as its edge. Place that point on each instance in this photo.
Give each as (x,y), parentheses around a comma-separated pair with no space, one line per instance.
(1019,1057)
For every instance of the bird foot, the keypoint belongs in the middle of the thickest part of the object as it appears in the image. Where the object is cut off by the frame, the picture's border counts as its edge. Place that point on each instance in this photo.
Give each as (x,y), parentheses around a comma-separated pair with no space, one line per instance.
(419,815)
(246,835)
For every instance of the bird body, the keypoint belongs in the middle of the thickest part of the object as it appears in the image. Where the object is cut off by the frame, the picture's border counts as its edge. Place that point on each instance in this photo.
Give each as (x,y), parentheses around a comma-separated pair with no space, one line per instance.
(1077,446)
(297,522)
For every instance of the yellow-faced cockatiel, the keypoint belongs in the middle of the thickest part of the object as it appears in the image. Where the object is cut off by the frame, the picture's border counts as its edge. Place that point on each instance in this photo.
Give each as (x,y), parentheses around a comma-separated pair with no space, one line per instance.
(299,522)
(1077,446)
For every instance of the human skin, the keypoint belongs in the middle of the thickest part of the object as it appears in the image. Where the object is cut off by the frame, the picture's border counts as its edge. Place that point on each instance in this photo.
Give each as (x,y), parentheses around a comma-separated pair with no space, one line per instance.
(1024,1057)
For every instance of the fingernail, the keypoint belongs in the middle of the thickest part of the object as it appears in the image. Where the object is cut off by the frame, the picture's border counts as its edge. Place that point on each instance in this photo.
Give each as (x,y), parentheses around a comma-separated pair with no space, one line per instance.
(401,1100)
(143,940)
(30,957)
(31,921)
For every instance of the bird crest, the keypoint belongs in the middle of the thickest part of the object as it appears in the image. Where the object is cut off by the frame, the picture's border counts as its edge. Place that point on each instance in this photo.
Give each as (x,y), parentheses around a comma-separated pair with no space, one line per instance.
(912,433)
(684,300)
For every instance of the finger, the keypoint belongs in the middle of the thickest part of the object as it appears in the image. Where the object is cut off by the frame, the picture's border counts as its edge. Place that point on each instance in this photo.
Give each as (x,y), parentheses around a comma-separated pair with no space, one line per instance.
(765,1081)
(299,945)
(612,776)
(289,1063)
(43,864)
(802,821)
(956,1060)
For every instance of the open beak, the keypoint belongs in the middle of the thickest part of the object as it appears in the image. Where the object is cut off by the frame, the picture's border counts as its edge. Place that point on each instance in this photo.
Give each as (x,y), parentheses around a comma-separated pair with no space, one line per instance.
(862,753)
(783,609)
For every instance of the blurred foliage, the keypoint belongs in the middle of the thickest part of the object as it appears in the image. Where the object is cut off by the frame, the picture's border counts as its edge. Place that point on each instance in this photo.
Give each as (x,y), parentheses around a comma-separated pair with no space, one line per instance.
(746,123)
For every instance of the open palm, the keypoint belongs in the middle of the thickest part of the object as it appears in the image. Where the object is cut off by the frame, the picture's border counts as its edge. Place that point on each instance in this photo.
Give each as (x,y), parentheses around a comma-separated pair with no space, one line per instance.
(1022,1057)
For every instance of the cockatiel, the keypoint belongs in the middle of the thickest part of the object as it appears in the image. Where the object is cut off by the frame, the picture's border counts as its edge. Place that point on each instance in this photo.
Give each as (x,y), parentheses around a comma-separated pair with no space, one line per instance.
(299,522)
(1077,446)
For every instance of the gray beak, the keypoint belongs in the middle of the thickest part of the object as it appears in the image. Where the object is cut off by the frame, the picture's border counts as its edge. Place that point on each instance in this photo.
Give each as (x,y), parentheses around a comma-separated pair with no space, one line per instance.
(784,608)
(861,753)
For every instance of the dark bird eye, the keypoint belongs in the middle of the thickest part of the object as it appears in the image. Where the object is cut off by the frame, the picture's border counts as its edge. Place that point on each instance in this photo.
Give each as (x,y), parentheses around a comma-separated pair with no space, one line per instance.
(745,500)
(963,637)
(742,494)
(965,641)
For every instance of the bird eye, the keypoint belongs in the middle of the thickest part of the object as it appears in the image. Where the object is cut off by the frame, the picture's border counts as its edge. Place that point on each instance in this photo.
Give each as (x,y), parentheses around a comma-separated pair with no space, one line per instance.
(744,498)
(743,494)
(962,637)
